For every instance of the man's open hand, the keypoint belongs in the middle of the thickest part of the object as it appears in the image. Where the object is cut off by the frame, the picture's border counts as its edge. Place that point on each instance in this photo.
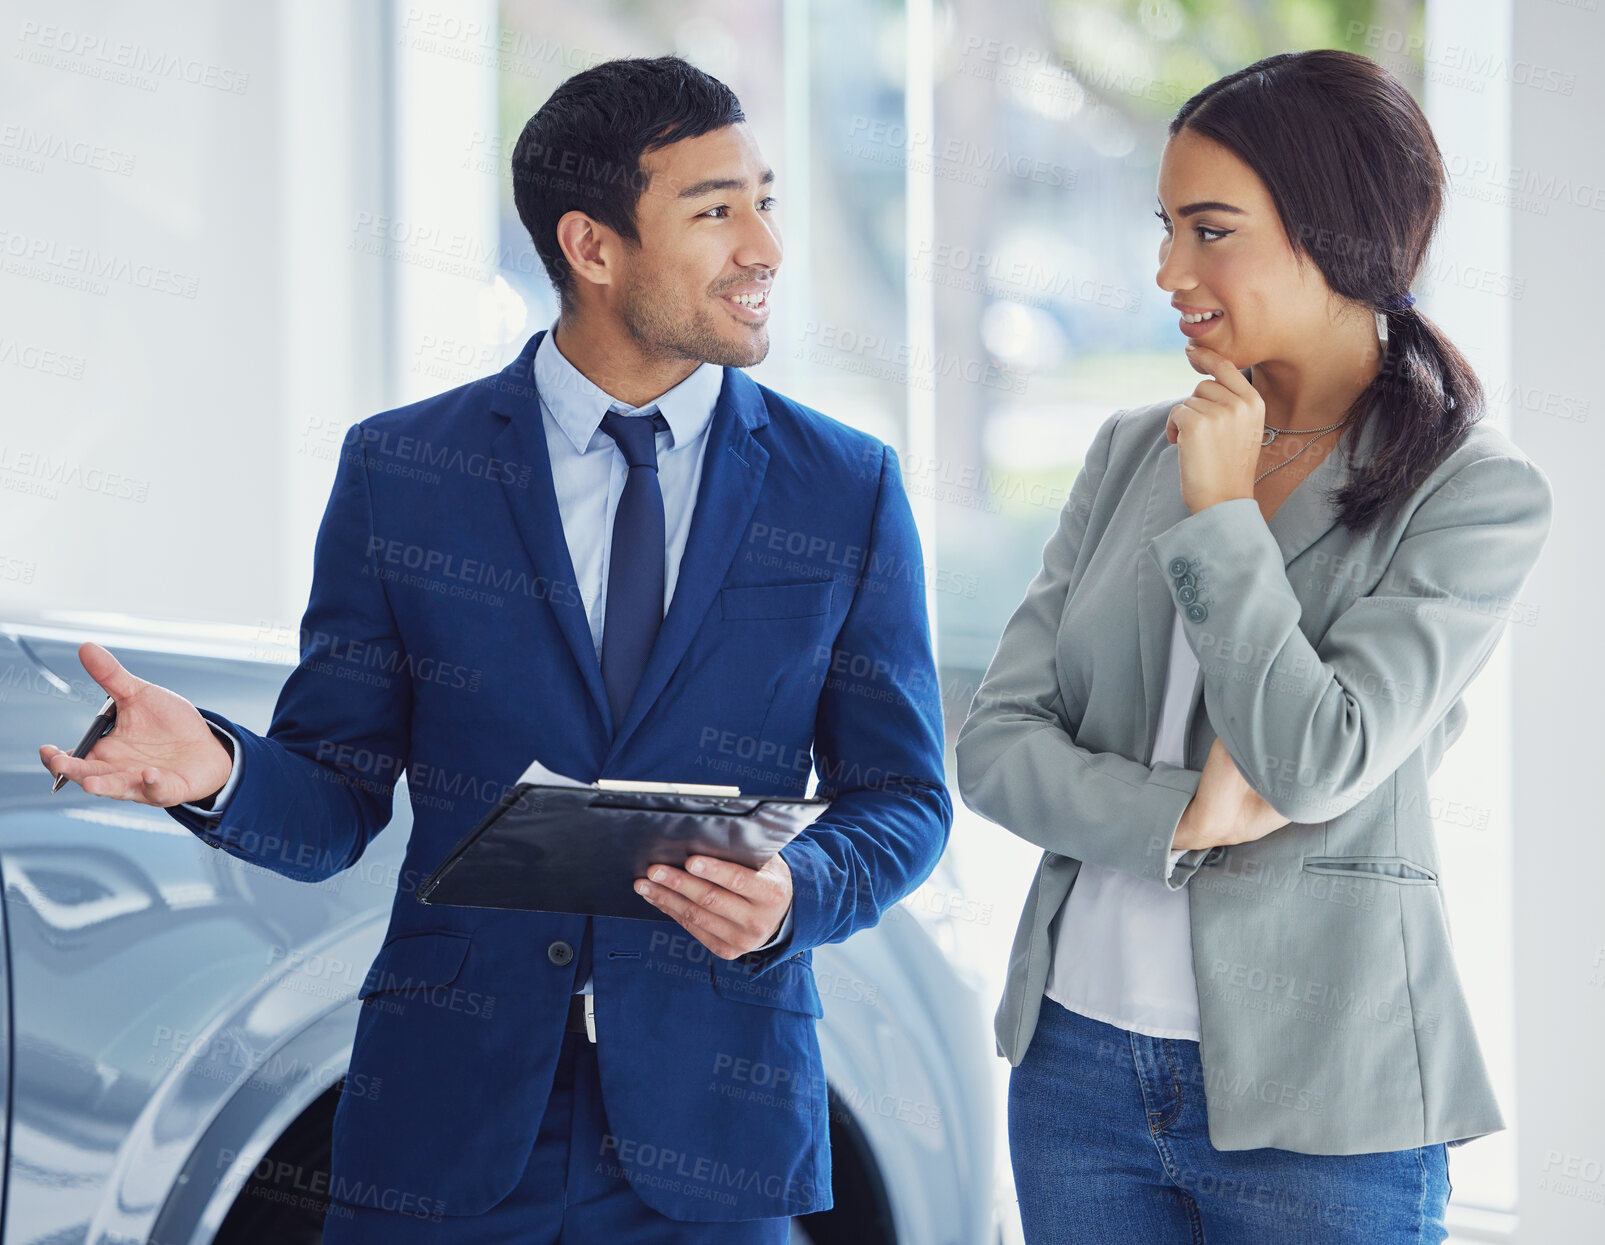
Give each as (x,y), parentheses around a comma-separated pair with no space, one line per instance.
(160,750)
(728,908)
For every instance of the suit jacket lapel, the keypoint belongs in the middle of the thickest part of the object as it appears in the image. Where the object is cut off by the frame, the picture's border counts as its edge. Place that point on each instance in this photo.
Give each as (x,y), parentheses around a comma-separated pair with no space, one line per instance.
(532,498)
(733,471)
(1303,518)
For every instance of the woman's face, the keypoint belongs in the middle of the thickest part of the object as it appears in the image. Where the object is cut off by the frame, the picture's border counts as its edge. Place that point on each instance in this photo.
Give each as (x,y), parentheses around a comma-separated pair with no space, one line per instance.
(1224,250)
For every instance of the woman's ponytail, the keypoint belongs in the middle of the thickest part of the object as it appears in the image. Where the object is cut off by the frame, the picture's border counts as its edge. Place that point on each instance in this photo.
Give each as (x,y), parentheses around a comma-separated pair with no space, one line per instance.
(1431,397)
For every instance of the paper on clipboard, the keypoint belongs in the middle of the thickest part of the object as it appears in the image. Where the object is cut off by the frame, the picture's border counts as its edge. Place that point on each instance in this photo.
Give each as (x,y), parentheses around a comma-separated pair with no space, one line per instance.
(541,776)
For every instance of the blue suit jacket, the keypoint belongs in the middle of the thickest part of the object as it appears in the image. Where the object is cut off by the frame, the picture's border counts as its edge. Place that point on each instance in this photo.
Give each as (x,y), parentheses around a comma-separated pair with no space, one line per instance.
(444,636)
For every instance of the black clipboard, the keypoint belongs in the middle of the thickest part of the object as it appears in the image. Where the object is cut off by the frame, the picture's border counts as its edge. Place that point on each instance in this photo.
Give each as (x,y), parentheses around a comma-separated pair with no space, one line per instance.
(567,847)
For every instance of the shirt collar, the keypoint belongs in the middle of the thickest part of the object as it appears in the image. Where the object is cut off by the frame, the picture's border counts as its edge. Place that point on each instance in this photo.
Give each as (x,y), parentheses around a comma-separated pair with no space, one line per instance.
(577,404)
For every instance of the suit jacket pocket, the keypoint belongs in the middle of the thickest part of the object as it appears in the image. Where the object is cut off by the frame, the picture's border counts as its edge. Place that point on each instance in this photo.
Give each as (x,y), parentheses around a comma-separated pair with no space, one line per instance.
(798,600)
(410,961)
(1384,868)
(789,985)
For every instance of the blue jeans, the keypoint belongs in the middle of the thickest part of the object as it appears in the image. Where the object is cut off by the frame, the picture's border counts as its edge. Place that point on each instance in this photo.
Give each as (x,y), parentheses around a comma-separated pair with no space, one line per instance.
(1110,1143)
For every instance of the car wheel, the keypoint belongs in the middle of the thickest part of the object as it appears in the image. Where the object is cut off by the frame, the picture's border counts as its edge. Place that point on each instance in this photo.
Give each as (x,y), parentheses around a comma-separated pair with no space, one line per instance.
(281,1202)
(861,1213)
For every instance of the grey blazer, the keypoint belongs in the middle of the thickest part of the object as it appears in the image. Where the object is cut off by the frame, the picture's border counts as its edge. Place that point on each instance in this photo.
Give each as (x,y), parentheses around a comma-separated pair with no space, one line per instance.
(1331,665)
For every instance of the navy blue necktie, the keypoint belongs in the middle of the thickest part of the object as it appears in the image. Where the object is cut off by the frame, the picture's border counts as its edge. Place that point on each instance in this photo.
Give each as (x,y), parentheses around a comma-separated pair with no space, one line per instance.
(635,579)
(635,573)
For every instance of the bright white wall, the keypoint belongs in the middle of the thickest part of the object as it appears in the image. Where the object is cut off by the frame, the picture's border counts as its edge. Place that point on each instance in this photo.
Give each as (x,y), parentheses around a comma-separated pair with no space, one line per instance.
(208,160)
(1557,248)
(1470,117)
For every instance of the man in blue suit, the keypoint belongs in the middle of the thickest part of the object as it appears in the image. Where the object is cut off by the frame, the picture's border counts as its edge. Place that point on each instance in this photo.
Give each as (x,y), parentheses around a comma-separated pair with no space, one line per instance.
(622,557)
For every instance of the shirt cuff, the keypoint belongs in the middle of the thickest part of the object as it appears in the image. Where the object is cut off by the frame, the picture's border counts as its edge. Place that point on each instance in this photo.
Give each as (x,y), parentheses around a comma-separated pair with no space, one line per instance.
(1174,857)
(226,737)
(781,936)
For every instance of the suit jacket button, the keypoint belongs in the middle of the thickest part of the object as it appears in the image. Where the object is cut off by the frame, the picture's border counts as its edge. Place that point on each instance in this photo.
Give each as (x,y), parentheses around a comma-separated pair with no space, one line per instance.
(1186,594)
(1178,566)
(559,953)
(1185,580)
(1196,612)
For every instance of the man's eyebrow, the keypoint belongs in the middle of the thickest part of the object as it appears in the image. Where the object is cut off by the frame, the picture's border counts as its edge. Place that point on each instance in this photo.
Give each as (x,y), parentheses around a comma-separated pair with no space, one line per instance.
(1211,205)
(709,184)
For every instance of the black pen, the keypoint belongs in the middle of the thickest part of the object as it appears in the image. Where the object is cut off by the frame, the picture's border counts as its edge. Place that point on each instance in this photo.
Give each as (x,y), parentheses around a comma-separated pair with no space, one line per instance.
(102,724)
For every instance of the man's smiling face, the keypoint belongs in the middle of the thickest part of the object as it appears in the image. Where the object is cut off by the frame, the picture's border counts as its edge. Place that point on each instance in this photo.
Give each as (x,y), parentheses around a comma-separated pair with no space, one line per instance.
(698,283)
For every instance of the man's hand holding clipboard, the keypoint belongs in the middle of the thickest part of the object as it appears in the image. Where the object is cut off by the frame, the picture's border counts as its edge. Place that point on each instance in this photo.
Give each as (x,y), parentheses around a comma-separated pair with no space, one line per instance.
(704,856)
(729,908)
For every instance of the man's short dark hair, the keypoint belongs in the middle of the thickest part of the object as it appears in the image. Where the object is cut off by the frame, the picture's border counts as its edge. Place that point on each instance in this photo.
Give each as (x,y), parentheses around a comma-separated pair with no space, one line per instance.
(582,150)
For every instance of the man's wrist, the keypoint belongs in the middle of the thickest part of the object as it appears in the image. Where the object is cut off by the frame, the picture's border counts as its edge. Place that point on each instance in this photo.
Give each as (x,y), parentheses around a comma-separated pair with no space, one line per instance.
(780,933)
(228,745)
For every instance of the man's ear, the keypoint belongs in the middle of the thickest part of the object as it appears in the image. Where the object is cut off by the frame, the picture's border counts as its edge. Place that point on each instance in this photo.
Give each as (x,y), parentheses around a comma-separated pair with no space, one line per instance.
(588,246)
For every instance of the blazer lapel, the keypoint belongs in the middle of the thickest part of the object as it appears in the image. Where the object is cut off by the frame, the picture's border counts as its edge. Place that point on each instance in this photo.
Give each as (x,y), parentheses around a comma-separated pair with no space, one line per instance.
(733,468)
(533,502)
(1303,518)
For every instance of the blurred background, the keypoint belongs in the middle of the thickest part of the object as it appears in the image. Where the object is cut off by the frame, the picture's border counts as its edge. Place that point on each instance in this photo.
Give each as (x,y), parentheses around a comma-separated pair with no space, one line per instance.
(228,232)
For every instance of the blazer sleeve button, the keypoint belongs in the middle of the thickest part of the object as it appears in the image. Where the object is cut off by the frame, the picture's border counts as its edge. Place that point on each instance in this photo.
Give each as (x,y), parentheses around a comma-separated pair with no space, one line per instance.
(1178,566)
(1196,612)
(1186,595)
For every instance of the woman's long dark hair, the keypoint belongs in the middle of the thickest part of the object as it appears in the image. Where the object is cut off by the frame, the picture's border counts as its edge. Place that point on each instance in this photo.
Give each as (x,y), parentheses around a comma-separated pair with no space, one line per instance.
(1358,181)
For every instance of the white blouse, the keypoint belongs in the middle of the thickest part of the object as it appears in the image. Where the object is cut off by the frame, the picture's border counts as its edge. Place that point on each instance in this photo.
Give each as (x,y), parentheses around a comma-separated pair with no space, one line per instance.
(1123,945)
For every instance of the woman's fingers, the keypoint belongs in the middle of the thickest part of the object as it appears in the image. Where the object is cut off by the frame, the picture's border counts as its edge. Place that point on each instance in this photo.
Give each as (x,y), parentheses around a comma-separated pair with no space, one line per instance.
(1213,363)
(1228,808)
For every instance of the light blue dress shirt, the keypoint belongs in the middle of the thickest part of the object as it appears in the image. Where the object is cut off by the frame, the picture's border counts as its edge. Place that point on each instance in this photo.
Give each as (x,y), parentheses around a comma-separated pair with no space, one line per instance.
(588,473)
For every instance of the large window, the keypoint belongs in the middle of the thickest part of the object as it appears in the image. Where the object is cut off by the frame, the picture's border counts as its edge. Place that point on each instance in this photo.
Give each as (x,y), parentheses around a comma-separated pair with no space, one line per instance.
(966,196)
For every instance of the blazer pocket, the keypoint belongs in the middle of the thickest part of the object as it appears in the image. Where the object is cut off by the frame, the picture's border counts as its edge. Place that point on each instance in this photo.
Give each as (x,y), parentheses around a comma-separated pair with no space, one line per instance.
(409,961)
(799,600)
(1383,868)
(789,985)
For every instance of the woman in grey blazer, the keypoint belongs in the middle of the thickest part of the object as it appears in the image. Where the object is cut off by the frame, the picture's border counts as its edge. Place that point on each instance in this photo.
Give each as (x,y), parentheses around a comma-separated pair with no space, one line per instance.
(1231,1006)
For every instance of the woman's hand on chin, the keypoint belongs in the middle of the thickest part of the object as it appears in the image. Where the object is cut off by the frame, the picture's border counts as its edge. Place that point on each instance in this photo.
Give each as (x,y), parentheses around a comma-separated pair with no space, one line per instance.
(1218,431)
